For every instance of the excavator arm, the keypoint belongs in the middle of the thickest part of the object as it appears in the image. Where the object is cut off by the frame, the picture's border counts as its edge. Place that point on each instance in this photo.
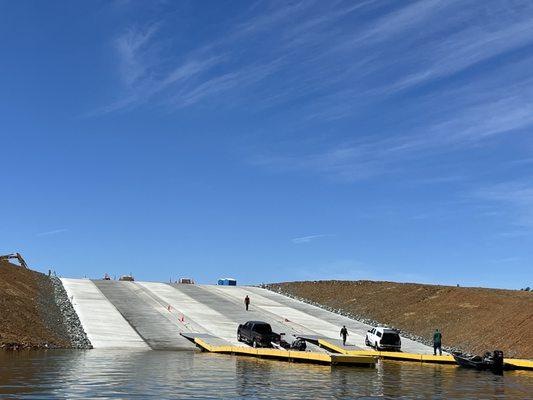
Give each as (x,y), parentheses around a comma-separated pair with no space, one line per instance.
(13,256)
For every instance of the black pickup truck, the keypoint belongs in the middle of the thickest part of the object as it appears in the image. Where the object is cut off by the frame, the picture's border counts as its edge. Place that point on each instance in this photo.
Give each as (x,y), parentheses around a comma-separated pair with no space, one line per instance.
(257,334)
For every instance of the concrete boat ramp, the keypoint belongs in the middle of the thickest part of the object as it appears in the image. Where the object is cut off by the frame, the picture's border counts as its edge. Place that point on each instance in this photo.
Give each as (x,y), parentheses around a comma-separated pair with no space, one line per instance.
(161,316)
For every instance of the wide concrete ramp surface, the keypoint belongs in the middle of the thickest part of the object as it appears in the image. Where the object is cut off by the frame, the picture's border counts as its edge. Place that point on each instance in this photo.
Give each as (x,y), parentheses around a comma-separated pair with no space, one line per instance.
(154,315)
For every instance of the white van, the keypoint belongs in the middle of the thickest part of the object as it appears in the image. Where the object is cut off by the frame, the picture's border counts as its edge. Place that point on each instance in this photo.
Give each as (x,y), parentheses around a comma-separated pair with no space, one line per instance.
(382,338)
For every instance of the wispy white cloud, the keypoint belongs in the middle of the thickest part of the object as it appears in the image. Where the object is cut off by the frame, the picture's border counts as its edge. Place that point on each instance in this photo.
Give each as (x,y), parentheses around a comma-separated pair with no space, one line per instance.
(329,62)
(222,83)
(309,238)
(425,41)
(466,48)
(188,69)
(144,72)
(408,18)
(145,90)
(53,232)
(474,117)
(133,50)
(280,12)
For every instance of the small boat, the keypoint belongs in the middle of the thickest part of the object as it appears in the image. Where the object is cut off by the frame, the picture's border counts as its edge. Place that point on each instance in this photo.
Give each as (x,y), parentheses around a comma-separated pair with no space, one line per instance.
(490,361)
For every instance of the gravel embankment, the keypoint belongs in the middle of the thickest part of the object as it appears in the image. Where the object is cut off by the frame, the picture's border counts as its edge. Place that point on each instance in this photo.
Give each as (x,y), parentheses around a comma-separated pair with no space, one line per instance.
(49,311)
(472,319)
(77,335)
(365,320)
(30,318)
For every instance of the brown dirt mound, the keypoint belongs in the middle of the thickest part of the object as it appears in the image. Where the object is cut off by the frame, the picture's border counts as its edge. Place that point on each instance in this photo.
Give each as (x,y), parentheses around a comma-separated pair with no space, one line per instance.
(473,319)
(29,317)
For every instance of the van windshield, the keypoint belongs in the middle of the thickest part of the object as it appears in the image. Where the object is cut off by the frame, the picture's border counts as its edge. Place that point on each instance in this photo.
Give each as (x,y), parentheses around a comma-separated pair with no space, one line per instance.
(262,328)
(390,338)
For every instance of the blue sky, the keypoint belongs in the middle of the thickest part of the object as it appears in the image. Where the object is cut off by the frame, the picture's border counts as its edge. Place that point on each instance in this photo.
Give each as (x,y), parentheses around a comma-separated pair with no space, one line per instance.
(270,141)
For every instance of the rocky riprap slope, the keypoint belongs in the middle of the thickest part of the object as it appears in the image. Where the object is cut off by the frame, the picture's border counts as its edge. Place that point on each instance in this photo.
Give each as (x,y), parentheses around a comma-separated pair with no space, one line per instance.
(78,337)
(35,312)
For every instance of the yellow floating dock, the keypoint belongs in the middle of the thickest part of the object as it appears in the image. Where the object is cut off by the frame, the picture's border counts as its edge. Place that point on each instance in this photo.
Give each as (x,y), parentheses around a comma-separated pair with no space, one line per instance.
(391,355)
(519,364)
(293,356)
(426,358)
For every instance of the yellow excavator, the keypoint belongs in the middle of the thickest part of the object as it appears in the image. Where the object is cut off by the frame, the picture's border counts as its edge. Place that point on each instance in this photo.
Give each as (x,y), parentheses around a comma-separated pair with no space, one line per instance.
(14,256)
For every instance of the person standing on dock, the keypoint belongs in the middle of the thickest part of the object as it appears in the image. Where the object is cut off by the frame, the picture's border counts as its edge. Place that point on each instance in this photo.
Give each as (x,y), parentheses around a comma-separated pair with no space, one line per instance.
(247,302)
(344,334)
(437,342)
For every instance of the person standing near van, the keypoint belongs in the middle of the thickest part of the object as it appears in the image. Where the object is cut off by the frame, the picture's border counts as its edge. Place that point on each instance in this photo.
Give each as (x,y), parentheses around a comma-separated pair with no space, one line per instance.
(247,302)
(344,334)
(437,342)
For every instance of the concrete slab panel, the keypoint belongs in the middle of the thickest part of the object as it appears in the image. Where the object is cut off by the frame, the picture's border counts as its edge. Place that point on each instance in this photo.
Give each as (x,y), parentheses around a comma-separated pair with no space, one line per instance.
(198,316)
(152,321)
(104,325)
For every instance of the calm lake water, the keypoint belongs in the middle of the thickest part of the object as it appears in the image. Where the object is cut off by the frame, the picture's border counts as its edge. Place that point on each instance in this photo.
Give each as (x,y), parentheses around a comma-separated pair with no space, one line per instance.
(177,375)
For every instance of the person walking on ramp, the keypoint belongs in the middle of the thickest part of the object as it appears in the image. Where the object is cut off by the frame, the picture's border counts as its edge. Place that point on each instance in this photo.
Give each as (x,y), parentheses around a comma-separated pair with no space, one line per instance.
(437,342)
(344,334)
(247,302)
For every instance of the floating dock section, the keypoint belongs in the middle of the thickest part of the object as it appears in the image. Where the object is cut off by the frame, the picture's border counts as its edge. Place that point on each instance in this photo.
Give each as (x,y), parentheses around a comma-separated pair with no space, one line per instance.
(401,356)
(387,355)
(213,345)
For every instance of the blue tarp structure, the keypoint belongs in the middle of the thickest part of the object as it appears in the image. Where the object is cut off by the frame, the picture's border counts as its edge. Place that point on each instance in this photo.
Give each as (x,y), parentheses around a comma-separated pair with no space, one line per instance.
(227,282)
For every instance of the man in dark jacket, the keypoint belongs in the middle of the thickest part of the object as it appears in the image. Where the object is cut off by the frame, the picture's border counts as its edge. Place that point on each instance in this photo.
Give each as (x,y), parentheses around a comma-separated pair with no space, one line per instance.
(437,342)
(344,334)
(247,302)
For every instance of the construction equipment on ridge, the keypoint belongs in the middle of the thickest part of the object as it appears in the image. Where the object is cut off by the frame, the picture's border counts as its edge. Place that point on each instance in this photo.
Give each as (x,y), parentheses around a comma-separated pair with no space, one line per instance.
(12,256)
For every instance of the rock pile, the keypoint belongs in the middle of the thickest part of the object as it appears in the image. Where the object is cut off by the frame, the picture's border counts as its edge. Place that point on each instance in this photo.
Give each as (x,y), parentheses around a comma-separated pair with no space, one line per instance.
(77,335)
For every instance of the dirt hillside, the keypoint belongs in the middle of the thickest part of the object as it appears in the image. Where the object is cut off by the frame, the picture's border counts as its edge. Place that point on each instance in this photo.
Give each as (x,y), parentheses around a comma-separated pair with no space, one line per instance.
(29,317)
(472,319)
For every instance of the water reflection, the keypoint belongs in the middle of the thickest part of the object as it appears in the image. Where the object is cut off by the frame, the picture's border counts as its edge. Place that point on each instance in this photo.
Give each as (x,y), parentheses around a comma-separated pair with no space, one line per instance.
(170,375)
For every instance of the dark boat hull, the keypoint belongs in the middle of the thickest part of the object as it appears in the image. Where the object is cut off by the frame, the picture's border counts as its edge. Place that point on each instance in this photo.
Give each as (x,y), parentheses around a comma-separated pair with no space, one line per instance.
(469,362)
(480,364)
